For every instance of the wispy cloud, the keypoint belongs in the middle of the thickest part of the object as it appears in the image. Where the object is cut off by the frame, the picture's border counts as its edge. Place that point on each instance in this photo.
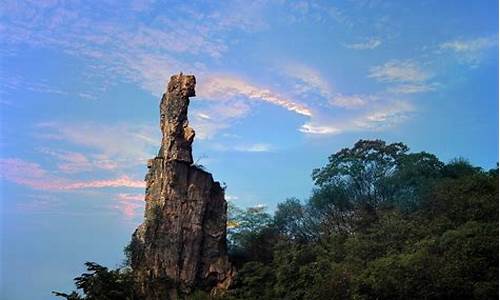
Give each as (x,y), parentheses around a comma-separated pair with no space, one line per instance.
(19,171)
(17,82)
(231,197)
(404,77)
(228,87)
(309,79)
(115,145)
(367,112)
(377,118)
(311,83)
(412,88)
(34,176)
(471,45)
(130,205)
(399,71)
(124,47)
(231,98)
(123,181)
(369,44)
(319,129)
(217,117)
(351,101)
(470,51)
(383,117)
(254,148)
(130,197)
(314,11)
(75,162)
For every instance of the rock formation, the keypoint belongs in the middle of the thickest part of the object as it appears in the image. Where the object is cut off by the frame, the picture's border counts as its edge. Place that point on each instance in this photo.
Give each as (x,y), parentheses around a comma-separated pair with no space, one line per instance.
(182,243)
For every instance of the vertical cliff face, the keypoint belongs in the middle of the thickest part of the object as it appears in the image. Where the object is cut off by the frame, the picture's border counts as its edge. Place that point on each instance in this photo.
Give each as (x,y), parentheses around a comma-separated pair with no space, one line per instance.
(182,243)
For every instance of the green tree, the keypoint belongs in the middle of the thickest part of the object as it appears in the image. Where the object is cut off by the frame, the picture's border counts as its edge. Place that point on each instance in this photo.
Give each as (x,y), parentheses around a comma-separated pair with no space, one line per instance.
(102,284)
(382,223)
(251,236)
(295,221)
(362,169)
(355,183)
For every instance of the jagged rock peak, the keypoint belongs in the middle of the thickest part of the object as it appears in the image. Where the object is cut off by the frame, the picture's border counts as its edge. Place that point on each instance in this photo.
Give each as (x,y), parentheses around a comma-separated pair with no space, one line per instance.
(181,245)
(177,135)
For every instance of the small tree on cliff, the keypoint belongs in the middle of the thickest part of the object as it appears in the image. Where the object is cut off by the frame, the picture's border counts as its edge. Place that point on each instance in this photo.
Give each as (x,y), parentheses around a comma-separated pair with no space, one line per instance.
(100,283)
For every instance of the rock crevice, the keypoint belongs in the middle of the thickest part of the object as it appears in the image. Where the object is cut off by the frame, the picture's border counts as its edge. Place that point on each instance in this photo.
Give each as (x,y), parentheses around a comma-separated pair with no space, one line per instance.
(181,245)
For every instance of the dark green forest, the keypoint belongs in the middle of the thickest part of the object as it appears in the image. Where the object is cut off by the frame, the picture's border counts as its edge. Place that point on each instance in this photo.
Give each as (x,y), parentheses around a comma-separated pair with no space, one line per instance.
(381,223)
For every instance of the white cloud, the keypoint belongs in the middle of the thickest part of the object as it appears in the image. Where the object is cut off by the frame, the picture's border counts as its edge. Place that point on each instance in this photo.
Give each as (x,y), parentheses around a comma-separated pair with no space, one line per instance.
(219,116)
(130,197)
(412,88)
(399,71)
(146,53)
(309,78)
(372,111)
(470,51)
(231,197)
(255,148)
(471,45)
(314,11)
(203,116)
(310,128)
(230,99)
(371,43)
(114,49)
(383,117)
(311,82)
(377,118)
(404,77)
(351,101)
(225,87)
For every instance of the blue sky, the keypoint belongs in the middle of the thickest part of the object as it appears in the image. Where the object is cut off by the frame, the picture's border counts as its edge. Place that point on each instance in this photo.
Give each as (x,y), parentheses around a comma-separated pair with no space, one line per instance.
(281,86)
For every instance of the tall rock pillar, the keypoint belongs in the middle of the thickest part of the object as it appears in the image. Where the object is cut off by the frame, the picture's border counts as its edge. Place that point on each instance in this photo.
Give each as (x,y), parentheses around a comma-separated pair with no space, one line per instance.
(182,243)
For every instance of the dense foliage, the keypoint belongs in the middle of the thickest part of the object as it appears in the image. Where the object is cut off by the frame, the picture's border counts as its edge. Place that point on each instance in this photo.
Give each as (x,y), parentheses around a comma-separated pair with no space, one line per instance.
(381,223)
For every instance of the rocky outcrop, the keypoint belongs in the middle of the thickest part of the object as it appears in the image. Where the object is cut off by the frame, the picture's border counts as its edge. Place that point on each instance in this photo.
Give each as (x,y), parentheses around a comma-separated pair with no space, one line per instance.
(182,243)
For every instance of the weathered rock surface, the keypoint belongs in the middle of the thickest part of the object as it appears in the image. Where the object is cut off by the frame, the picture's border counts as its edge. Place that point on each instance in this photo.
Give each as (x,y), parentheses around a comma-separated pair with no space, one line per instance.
(182,243)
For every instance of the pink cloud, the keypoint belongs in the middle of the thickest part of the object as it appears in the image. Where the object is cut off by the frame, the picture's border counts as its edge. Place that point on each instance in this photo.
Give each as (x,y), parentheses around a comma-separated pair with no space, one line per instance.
(115,146)
(22,172)
(69,162)
(14,167)
(142,53)
(130,197)
(130,204)
(32,175)
(123,181)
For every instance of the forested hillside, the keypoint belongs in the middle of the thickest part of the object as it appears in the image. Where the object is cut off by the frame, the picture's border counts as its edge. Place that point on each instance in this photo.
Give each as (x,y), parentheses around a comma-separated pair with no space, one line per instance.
(381,223)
